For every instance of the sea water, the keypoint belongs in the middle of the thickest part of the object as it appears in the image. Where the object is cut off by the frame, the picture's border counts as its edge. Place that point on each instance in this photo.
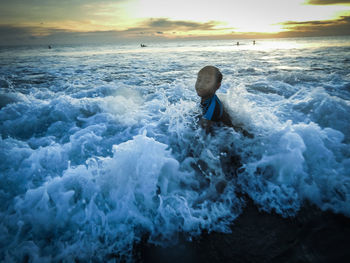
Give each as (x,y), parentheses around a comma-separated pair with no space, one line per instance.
(100,145)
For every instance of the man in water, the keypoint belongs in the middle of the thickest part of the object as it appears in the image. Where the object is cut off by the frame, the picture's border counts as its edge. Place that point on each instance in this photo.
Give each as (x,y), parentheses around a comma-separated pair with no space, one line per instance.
(208,82)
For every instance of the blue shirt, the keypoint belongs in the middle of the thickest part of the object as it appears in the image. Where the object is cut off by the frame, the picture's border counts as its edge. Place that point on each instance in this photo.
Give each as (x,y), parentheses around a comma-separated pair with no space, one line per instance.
(212,109)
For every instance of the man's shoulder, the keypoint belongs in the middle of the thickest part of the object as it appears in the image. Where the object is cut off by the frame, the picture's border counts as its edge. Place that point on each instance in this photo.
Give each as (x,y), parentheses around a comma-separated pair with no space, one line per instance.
(213,109)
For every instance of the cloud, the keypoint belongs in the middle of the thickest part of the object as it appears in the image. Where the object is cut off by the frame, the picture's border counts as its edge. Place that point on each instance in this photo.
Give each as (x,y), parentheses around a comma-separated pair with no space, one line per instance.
(162,28)
(328,2)
(11,34)
(24,11)
(168,28)
(338,27)
(166,24)
(158,28)
(28,35)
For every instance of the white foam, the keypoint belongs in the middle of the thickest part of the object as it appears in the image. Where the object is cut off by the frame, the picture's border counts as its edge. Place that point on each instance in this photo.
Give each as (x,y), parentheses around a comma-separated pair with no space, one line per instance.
(97,155)
(115,200)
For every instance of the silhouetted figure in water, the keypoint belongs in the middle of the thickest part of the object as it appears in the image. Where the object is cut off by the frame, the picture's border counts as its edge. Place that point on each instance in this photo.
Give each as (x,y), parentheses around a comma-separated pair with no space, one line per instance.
(253,42)
(49,47)
(237,43)
(208,82)
(143,45)
(214,113)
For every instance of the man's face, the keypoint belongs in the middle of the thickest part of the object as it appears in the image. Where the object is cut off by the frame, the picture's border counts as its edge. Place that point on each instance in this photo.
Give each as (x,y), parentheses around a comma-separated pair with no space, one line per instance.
(206,84)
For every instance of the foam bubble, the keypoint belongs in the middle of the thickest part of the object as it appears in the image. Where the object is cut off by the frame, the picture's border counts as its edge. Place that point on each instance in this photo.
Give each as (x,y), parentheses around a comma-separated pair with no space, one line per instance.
(114,201)
(99,154)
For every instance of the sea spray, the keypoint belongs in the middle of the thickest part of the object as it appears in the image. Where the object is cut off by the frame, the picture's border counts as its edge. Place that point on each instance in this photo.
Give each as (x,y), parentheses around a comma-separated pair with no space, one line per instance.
(100,146)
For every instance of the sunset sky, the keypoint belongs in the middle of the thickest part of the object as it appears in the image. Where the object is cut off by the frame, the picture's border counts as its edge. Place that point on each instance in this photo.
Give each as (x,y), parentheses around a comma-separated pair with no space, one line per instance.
(44,21)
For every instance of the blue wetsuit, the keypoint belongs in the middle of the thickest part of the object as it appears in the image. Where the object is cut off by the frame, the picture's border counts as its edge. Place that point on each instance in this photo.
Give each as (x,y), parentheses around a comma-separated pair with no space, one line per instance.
(212,109)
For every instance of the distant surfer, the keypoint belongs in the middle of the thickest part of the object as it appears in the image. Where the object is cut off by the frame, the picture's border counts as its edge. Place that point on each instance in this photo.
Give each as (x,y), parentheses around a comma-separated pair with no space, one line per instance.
(237,43)
(253,42)
(49,46)
(143,45)
(208,82)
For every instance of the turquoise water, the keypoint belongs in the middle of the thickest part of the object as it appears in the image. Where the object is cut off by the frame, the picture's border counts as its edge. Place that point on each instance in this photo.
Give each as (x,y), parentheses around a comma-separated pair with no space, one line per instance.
(100,145)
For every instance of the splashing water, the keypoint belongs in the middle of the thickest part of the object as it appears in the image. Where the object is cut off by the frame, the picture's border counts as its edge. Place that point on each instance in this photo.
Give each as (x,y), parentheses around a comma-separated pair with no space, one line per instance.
(100,144)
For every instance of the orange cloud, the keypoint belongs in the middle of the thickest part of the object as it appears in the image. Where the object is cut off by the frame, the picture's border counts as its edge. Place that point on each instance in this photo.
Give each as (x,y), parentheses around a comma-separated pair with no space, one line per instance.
(328,2)
(162,28)
(339,26)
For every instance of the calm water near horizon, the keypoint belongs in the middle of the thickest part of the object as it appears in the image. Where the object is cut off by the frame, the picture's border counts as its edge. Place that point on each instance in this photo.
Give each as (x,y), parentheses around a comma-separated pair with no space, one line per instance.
(100,143)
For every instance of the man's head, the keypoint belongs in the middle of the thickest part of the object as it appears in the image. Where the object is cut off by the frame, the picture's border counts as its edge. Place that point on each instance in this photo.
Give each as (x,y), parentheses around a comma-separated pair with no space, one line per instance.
(208,81)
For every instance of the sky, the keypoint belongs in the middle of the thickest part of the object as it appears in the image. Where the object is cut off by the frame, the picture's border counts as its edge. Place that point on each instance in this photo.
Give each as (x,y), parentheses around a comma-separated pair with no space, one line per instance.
(109,21)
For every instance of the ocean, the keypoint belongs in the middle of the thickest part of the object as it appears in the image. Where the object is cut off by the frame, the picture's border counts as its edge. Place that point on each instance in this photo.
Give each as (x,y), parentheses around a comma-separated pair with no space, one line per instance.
(100,145)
